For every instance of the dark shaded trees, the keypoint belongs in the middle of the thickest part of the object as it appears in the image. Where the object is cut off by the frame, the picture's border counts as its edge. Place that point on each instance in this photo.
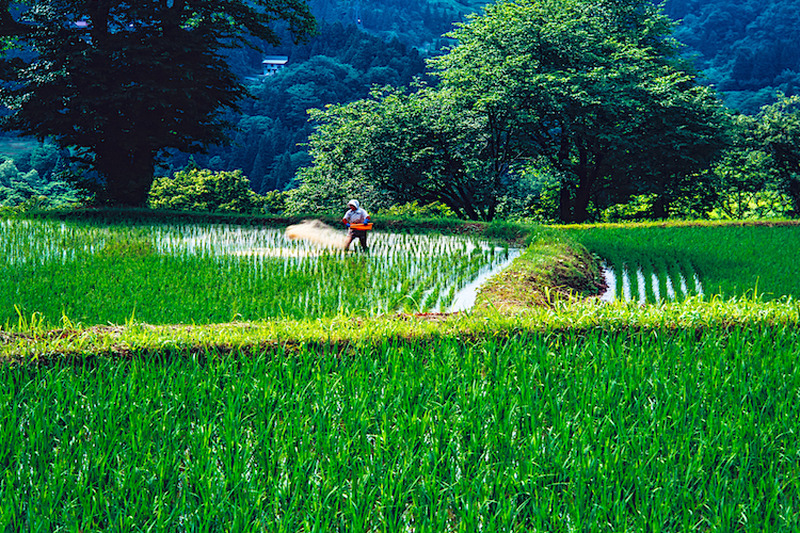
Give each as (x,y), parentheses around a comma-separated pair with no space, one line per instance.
(339,64)
(119,82)
(748,50)
(777,131)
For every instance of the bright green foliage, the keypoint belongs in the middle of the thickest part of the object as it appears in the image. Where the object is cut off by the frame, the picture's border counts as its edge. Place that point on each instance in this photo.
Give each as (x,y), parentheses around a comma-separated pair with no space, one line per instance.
(204,190)
(778,131)
(274,202)
(30,188)
(595,87)
(595,92)
(655,430)
(759,174)
(121,81)
(745,179)
(415,210)
(396,148)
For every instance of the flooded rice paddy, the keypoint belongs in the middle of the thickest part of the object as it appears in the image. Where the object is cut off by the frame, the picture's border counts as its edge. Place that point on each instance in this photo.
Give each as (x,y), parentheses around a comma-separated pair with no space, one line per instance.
(217,272)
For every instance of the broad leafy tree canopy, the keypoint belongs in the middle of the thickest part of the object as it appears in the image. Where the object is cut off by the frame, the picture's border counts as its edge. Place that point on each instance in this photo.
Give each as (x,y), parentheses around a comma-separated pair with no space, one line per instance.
(777,130)
(592,86)
(121,81)
(597,89)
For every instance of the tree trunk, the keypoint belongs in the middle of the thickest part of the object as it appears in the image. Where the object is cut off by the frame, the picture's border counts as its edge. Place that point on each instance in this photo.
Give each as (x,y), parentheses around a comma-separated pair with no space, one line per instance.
(588,170)
(564,204)
(128,174)
(661,207)
(581,211)
(793,189)
(583,194)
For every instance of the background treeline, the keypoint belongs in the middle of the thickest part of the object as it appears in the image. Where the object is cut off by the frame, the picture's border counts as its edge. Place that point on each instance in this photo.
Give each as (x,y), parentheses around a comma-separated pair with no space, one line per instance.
(340,64)
(418,23)
(746,50)
(36,176)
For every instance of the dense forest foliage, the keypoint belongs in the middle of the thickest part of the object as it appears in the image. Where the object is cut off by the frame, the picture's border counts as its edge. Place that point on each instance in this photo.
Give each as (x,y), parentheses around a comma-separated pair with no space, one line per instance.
(340,64)
(36,177)
(745,50)
(418,23)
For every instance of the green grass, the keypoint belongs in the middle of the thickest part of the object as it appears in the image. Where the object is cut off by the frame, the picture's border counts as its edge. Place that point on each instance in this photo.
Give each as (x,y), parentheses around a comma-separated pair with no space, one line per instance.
(730,260)
(546,272)
(693,430)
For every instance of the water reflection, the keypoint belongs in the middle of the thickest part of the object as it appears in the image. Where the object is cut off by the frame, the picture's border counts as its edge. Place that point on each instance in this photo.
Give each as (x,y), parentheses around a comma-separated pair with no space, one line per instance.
(676,287)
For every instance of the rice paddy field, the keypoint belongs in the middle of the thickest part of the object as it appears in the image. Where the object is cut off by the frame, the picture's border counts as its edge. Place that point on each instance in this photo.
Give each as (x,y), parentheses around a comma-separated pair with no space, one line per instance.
(650,263)
(188,273)
(671,415)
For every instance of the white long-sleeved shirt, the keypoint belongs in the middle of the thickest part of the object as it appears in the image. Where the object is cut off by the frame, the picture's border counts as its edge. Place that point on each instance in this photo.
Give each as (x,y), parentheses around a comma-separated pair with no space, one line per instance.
(359,216)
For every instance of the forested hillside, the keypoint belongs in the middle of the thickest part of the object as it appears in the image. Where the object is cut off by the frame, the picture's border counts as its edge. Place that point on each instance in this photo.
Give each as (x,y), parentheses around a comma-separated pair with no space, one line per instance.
(747,48)
(358,45)
(419,23)
(340,64)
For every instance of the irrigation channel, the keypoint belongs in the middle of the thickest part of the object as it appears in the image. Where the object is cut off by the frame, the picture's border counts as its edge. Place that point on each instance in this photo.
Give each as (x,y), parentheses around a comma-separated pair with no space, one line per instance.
(651,286)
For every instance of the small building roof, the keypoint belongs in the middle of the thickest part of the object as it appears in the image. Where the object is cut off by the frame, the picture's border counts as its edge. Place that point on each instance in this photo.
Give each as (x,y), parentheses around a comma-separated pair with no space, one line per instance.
(275,60)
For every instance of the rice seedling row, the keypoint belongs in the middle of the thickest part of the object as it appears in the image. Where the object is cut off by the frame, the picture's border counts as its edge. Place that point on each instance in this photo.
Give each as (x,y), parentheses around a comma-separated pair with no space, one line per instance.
(650,431)
(216,273)
(650,283)
(727,261)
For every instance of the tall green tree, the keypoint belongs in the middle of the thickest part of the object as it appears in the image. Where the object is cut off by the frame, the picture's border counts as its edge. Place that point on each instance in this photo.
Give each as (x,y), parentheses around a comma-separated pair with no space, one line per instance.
(778,132)
(396,148)
(744,179)
(597,88)
(594,91)
(119,82)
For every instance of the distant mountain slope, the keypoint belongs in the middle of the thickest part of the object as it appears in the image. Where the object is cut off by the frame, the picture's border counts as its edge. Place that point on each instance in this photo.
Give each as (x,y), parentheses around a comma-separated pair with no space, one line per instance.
(419,23)
(748,49)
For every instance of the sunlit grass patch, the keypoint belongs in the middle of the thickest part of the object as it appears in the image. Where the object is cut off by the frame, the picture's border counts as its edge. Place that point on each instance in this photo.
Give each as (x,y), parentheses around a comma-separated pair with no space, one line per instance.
(615,430)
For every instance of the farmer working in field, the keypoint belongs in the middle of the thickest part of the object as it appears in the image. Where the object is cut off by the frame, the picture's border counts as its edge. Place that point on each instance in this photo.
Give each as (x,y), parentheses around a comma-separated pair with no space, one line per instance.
(355,215)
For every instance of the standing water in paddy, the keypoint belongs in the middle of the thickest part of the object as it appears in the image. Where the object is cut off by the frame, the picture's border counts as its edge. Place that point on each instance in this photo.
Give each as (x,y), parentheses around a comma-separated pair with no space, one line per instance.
(465,298)
(666,285)
(205,273)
